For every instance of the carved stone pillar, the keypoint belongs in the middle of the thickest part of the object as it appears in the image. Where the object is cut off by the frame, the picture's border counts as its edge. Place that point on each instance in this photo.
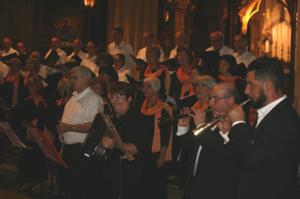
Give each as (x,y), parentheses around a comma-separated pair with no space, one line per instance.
(180,11)
(297,62)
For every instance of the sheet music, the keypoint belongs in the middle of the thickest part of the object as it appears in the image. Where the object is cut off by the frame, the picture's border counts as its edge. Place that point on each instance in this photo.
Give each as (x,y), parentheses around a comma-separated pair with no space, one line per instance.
(9,132)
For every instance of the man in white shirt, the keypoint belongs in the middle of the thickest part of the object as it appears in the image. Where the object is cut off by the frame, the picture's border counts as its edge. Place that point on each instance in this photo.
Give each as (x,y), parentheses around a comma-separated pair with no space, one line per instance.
(77,45)
(59,57)
(120,46)
(213,165)
(7,48)
(217,44)
(149,41)
(91,59)
(242,55)
(121,68)
(79,113)
(180,40)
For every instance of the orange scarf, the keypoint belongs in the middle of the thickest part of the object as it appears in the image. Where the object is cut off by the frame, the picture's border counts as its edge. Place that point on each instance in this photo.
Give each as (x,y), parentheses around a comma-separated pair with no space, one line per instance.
(198,106)
(184,78)
(156,111)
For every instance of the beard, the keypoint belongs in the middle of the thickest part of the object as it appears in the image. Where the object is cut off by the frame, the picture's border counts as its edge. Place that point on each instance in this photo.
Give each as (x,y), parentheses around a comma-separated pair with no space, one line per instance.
(260,102)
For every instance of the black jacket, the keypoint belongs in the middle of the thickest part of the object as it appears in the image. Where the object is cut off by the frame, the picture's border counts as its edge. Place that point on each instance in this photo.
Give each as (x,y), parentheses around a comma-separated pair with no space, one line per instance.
(268,155)
(217,172)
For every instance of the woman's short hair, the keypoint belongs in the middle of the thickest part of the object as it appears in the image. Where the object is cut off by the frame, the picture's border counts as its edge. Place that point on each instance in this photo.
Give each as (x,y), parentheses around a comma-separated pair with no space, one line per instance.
(207,80)
(122,88)
(154,82)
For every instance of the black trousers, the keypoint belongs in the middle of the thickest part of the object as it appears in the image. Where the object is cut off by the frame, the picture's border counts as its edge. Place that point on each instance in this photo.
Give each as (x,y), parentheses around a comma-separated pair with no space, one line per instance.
(155,184)
(82,177)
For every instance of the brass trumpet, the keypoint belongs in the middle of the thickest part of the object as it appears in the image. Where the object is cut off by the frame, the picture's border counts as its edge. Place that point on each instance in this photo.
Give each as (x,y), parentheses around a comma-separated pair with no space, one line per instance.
(203,127)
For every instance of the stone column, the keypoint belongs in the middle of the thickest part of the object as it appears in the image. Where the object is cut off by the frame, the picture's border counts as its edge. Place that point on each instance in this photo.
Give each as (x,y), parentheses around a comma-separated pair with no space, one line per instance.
(180,10)
(297,63)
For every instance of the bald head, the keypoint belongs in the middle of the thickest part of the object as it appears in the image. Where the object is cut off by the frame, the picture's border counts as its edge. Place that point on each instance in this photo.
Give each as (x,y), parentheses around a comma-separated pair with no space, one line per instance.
(55,43)
(77,45)
(148,39)
(223,97)
(240,43)
(6,42)
(216,40)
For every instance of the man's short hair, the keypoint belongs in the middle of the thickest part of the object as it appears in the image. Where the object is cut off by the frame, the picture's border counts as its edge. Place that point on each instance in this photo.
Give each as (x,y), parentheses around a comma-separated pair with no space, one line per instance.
(154,50)
(268,68)
(110,71)
(232,91)
(122,88)
(119,30)
(82,70)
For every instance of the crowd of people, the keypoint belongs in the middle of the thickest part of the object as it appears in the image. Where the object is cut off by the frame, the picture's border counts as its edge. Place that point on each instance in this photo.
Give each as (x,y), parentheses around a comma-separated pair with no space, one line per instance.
(154,103)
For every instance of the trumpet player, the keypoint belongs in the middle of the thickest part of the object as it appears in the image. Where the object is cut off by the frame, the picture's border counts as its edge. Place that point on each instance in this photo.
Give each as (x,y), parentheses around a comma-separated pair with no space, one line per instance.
(214,171)
(269,151)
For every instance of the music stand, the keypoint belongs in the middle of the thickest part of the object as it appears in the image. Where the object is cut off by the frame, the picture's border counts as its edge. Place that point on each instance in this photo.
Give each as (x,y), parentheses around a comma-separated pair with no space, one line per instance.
(9,132)
(45,143)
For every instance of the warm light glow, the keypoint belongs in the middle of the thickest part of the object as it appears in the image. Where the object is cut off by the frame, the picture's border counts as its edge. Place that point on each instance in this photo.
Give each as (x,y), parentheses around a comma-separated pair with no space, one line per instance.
(89,3)
(247,12)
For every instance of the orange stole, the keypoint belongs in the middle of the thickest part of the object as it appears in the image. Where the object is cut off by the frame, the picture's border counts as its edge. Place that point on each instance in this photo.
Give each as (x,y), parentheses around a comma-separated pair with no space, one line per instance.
(198,106)
(184,78)
(156,111)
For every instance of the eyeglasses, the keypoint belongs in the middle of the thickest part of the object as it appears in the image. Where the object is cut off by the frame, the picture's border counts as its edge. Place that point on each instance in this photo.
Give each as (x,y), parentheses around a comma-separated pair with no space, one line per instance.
(216,98)
(116,96)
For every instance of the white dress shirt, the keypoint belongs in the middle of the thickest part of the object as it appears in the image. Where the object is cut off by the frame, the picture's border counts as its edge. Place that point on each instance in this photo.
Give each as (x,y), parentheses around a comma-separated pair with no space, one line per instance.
(123,48)
(245,58)
(9,52)
(90,63)
(225,50)
(122,72)
(142,54)
(81,108)
(82,55)
(173,53)
(263,112)
(62,59)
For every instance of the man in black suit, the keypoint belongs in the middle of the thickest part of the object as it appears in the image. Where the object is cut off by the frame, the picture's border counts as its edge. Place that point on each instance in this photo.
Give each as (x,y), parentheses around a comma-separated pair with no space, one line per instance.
(268,153)
(214,168)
